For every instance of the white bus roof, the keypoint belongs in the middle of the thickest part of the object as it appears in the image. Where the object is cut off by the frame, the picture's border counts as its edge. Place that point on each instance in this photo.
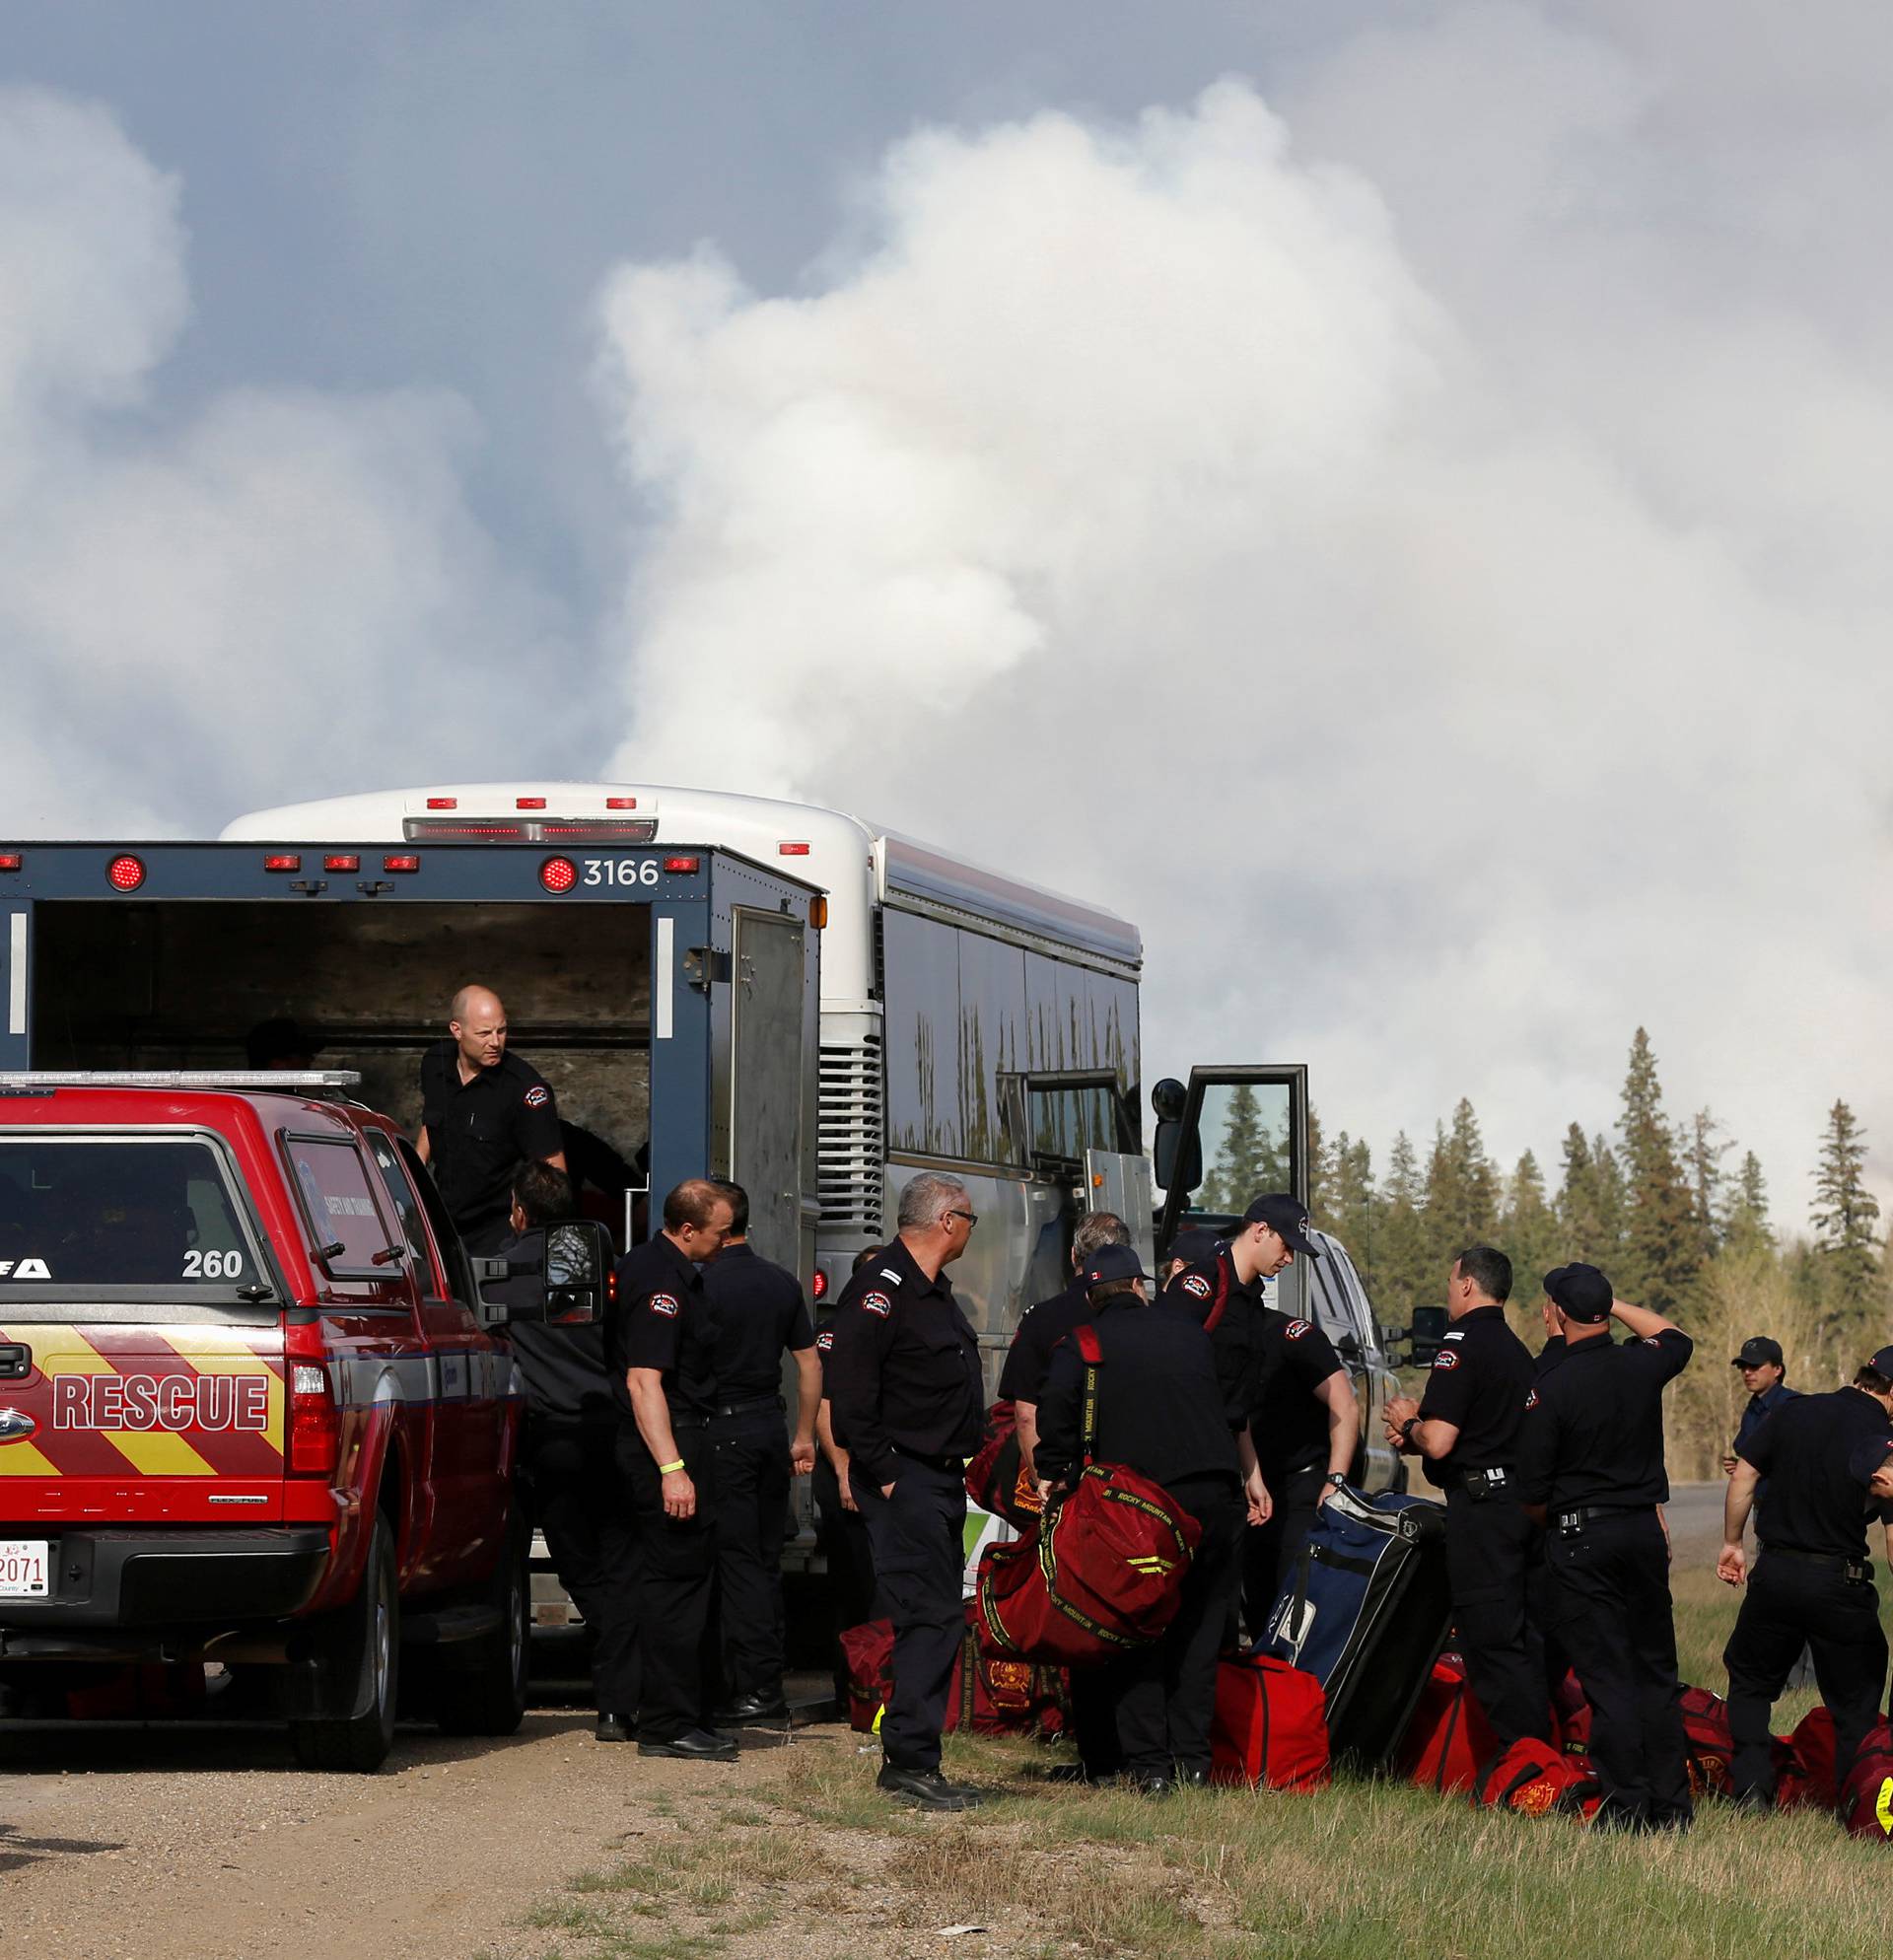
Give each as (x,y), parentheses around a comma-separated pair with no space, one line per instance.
(842,853)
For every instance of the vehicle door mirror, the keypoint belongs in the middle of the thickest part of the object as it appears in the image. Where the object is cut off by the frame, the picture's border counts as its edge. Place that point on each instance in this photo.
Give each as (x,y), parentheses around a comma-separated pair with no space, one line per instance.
(1427,1336)
(1177,1161)
(560,1276)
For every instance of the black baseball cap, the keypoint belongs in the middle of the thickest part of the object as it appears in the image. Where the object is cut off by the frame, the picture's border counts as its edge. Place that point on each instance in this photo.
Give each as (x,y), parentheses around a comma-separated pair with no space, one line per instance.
(1580,1291)
(1882,1363)
(1113,1262)
(1757,1350)
(1193,1246)
(1285,1216)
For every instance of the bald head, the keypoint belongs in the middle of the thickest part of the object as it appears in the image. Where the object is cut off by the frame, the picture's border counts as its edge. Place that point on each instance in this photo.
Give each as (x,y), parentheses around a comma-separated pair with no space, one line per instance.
(478,1025)
(697,1217)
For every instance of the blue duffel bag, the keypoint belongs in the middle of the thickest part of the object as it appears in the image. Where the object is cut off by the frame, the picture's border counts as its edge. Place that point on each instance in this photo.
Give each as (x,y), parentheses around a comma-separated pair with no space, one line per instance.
(1366,1611)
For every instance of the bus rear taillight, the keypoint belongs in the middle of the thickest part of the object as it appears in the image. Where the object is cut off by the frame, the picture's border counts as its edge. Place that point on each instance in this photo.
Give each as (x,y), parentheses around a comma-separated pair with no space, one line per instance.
(314,1422)
(125,874)
(559,874)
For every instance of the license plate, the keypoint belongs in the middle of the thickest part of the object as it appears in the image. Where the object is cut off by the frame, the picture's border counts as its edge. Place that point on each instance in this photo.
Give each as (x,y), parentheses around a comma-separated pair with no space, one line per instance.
(24,1564)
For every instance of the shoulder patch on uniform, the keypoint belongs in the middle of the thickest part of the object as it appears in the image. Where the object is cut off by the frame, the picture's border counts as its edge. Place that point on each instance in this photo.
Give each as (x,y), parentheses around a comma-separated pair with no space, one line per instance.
(1457,1334)
(826,1339)
(877,1304)
(1652,1341)
(1531,1400)
(1447,1359)
(1296,1329)
(889,1273)
(1196,1286)
(538,1096)
(664,1304)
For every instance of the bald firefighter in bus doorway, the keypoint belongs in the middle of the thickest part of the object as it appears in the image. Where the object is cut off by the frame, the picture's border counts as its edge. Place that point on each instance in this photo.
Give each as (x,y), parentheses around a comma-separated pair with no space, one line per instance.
(484,1111)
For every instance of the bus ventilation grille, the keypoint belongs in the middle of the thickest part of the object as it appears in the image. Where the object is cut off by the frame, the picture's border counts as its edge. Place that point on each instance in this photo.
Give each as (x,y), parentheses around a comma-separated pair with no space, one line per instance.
(851,1138)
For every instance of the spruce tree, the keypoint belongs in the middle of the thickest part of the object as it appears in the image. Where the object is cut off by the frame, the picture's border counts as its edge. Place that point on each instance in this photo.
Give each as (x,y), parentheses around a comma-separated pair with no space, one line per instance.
(1405,1266)
(1744,1223)
(1462,1183)
(1320,1172)
(1707,1178)
(1590,1202)
(1846,1215)
(1663,1252)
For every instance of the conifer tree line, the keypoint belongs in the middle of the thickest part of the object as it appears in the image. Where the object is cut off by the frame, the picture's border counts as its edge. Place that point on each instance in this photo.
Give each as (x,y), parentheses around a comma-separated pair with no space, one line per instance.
(1668,1207)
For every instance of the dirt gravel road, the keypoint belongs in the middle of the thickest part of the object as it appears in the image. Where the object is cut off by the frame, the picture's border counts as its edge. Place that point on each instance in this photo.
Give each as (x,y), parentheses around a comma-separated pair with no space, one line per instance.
(159,1842)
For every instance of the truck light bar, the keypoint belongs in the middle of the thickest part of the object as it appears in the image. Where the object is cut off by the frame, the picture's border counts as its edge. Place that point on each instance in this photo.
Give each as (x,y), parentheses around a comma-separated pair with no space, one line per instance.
(528,829)
(284,1078)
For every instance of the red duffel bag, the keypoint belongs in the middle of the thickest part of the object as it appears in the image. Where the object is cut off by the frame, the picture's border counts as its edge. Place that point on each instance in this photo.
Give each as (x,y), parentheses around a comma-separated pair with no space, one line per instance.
(996,1479)
(868,1651)
(1536,1779)
(1866,1798)
(1707,1742)
(1271,1724)
(1810,1753)
(1007,1695)
(1448,1740)
(1102,1572)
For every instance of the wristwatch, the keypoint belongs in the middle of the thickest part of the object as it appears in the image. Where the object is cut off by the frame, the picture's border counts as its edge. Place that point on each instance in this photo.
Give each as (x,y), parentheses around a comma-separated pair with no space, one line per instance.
(1335,1478)
(1409,1426)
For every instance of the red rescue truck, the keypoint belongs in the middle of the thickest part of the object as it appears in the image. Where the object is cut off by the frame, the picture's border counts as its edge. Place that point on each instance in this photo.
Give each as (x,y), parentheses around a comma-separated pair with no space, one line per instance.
(252,1409)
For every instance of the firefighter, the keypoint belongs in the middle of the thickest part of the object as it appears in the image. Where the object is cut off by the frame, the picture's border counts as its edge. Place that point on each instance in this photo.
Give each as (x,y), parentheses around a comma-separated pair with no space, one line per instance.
(1040,1332)
(660,1342)
(581,1500)
(1591,1463)
(1764,1372)
(1466,1427)
(760,1315)
(909,1405)
(483,1110)
(1812,1581)
(1161,1413)
(840,1531)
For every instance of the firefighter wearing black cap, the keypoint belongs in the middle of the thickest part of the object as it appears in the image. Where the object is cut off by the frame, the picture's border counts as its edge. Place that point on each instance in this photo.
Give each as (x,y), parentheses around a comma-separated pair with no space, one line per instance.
(1764,1372)
(660,1339)
(1304,1421)
(1161,1413)
(1023,1382)
(1591,1472)
(760,1315)
(483,1112)
(907,1403)
(1812,1582)
(1466,1424)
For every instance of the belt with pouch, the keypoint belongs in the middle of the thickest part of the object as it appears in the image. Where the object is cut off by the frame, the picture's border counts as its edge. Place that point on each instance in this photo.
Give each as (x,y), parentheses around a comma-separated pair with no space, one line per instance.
(1483,1485)
(1856,1571)
(1572,1520)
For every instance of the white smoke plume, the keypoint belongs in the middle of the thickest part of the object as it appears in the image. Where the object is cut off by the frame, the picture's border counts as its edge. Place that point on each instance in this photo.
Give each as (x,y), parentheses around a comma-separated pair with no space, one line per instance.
(278,593)
(1450,620)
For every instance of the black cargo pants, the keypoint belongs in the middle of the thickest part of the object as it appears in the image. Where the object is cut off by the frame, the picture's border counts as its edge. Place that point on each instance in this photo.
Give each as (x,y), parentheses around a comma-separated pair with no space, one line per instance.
(679,1575)
(1490,1545)
(1614,1613)
(584,1503)
(750,1463)
(1165,1694)
(920,1560)
(1792,1600)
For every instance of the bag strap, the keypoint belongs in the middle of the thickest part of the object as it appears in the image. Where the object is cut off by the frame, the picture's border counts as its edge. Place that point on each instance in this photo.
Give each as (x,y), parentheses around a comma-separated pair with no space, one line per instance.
(1220,1305)
(968,1661)
(1084,1335)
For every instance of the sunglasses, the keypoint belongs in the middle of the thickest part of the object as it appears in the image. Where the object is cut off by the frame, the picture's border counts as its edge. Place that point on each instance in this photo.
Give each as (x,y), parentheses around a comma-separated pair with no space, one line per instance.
(971,1217)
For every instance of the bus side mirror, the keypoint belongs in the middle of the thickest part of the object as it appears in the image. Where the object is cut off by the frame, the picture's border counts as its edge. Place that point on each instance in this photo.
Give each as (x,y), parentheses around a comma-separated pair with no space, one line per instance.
(1427,1336)
(1177,1161)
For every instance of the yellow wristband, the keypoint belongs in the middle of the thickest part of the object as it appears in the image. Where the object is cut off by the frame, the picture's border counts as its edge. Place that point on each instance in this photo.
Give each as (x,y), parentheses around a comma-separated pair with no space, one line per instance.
(664,1469)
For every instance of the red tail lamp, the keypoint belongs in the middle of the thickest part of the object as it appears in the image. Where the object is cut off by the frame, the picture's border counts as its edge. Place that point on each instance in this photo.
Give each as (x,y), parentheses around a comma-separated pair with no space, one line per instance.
(125,874)
(818,1286)
(558,874)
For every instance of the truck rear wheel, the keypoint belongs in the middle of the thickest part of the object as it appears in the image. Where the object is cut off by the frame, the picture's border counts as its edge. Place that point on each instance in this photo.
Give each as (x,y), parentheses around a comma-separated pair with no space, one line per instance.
(480,1685)
(364,1660)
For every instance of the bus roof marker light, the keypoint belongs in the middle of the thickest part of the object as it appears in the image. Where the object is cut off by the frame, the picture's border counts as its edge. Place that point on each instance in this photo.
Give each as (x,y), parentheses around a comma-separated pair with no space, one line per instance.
(401,864)
(349,861)
(621,802)
(283,861)
(819,912)
(443,802)
(682,864)
(11,861)
(529,802)
(791,850)
(125,874)
(558,874)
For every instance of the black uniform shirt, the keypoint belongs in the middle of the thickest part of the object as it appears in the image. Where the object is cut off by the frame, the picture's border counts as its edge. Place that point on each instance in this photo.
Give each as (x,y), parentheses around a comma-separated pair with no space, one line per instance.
(1815,1503)
(1552,1354)
(903,1368)
(480,1133)
(1158,1410)
(1593,1429)
(759,1312)
(662,1319)
(1479,1381)
(1043,1328)
(562,1368)
(1212,1295)
(1288,1421)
